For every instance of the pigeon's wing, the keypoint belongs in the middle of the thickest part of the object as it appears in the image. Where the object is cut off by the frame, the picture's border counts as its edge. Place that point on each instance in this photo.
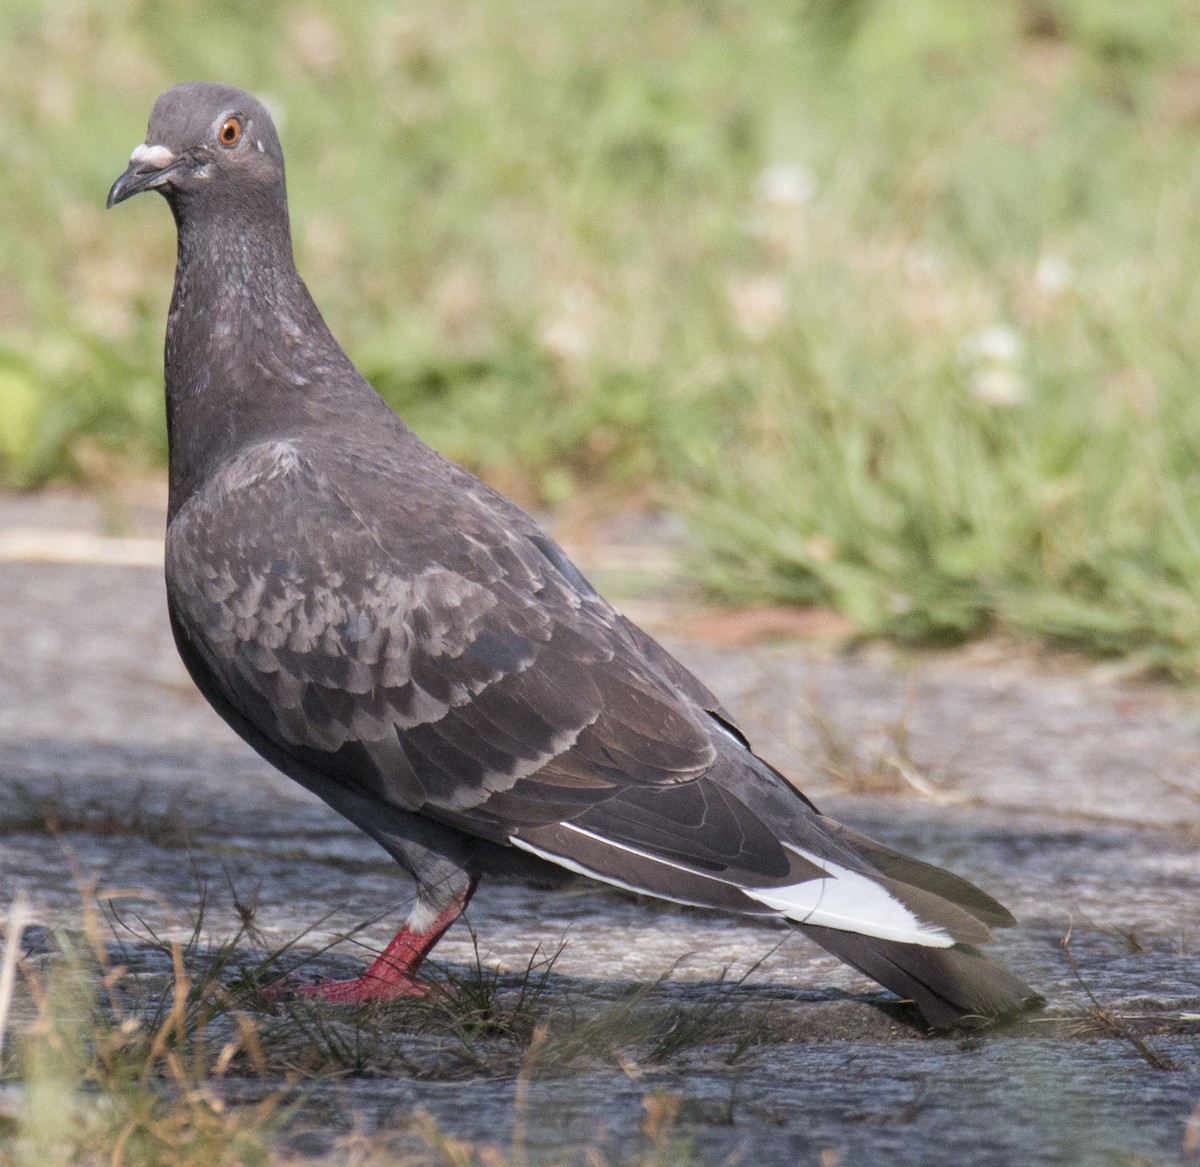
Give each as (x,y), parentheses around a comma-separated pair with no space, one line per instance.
(386,626)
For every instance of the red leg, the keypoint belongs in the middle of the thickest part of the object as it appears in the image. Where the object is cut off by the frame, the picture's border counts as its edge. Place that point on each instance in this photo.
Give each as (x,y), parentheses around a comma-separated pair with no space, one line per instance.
(391,975)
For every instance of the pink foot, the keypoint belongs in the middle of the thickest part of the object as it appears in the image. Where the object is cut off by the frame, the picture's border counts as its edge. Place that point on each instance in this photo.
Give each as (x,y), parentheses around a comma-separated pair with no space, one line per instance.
(390,977)
(355,991)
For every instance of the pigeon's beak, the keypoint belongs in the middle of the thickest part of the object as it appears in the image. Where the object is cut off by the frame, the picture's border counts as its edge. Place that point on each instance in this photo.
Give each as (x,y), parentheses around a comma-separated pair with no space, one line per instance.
(148,168)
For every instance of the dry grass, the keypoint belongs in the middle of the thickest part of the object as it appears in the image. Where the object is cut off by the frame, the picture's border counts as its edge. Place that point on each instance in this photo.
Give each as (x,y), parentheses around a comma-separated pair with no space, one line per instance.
(1109,1022)
(191,1066)
(856,766)
(147,1051)
(59,811)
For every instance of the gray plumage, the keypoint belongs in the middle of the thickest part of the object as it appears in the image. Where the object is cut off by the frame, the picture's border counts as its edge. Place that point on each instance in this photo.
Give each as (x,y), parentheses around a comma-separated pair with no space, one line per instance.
(411,646)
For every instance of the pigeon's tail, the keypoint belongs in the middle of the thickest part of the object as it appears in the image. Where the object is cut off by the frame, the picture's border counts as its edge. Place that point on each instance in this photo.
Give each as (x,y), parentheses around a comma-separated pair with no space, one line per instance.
(953,983)
(909,925)
(951,986)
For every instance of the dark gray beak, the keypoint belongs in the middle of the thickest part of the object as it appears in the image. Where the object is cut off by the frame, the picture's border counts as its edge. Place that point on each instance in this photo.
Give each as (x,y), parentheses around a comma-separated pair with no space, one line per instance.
(148,169)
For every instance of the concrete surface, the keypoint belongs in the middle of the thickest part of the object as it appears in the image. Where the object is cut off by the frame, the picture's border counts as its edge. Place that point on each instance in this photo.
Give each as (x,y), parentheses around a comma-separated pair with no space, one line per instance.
(1074,799)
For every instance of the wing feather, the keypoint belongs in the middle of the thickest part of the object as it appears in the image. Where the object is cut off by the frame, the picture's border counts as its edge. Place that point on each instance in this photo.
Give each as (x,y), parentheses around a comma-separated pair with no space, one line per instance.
(462,649)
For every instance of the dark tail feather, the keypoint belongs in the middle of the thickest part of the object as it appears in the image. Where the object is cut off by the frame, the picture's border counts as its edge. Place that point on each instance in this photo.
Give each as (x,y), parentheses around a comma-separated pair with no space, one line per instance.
(951,986)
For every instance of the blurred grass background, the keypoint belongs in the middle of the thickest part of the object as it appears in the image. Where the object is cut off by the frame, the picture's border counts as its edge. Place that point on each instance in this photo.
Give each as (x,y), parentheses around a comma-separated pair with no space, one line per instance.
(893,299)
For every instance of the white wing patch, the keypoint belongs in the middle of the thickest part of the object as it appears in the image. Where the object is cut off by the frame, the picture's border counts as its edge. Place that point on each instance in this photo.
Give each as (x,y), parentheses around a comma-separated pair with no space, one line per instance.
(849,902)
(844,899)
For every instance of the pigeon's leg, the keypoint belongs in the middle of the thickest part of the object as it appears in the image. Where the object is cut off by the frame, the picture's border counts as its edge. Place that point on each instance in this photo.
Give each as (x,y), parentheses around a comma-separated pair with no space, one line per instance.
(391,975)
(446,870)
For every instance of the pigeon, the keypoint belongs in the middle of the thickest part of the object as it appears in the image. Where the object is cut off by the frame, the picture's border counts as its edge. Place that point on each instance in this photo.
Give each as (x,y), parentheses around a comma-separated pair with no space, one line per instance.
(413,648)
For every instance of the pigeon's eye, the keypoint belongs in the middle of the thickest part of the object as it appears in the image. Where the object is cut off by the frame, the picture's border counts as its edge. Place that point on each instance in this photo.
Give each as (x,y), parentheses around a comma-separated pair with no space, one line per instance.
(230,132)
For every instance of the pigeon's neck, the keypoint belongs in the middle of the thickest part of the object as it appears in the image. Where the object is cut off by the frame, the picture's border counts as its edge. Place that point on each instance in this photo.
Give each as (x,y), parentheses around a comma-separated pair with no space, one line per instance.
(230,261)
(248,356)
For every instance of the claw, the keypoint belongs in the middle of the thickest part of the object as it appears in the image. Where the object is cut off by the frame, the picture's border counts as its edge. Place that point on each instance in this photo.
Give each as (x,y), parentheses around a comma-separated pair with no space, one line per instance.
(354,991)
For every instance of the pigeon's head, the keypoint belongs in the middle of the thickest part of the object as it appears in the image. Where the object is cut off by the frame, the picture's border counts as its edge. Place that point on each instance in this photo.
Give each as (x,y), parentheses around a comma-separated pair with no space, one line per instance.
(205,141)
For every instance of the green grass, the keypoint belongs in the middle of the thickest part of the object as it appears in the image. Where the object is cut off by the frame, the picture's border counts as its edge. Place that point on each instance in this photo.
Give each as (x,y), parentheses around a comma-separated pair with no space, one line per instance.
(894,298)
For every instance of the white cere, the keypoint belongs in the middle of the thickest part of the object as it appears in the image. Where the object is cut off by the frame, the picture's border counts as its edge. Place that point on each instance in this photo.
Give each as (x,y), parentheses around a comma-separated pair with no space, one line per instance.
(147,155)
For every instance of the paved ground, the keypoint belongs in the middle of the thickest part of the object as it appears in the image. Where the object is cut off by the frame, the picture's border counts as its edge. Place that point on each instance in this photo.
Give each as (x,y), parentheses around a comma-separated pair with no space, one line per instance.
(1076,800)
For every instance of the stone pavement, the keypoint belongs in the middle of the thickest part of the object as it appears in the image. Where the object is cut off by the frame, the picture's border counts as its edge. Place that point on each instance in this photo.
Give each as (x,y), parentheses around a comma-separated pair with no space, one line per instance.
(1075,799)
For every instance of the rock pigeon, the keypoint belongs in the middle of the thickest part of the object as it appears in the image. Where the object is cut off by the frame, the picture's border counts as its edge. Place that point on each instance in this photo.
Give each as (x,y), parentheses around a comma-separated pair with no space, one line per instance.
(413,648)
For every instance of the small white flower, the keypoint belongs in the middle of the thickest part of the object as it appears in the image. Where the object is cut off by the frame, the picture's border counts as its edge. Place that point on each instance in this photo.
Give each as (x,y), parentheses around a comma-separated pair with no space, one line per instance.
(784,184)
(998,344)
(992,357)
(999,386)
(1052,274)
(563,339)
(923,264)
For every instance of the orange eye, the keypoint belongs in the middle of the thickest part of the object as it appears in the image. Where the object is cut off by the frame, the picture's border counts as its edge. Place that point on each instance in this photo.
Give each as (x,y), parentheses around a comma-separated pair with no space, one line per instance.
(230,132)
